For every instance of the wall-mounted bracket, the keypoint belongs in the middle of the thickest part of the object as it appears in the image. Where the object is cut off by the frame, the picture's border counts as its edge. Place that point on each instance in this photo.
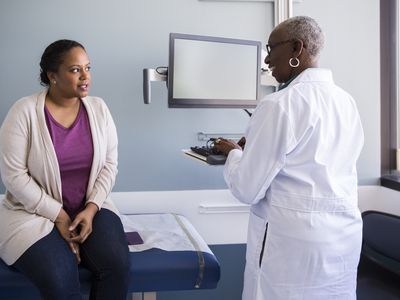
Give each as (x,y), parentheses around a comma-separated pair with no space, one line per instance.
(150,75)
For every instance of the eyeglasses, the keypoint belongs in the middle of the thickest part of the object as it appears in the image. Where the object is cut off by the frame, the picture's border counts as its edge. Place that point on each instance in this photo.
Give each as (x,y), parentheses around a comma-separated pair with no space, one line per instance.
(270,47)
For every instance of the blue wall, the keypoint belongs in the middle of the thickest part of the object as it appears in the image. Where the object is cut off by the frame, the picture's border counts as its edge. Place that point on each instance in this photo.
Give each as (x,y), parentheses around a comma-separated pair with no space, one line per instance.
(122,37)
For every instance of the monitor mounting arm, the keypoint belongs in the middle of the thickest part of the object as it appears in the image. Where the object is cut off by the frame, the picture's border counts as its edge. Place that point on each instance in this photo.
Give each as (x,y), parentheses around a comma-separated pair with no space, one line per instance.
(150,75)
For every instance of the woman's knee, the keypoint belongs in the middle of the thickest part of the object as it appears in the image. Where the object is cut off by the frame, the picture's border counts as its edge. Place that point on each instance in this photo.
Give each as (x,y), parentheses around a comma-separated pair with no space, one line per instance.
(61,289)
(59,283)
(51,266)
(107,246)
(115,262)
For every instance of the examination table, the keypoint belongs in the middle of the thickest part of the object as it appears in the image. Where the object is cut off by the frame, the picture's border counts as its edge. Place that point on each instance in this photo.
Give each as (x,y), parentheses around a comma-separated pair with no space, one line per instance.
(173,257)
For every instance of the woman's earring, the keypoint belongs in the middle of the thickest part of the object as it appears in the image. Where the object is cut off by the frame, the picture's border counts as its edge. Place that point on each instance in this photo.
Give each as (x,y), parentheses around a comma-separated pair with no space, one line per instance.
(54,82)
(296,64)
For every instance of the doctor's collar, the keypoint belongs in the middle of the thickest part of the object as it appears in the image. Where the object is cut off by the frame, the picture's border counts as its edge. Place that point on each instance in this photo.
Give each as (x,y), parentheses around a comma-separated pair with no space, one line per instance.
(285,84)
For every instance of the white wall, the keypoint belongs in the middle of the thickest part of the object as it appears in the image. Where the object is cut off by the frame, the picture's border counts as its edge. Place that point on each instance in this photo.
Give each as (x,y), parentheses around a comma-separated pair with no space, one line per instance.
(220,218)
(352,51)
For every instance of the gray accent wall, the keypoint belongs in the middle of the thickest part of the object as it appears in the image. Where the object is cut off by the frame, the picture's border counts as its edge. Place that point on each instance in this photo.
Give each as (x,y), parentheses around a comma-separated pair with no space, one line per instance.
(122,37)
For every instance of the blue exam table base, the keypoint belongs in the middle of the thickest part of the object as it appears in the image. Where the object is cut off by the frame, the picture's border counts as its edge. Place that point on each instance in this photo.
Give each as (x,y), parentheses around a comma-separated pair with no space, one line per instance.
(151,271)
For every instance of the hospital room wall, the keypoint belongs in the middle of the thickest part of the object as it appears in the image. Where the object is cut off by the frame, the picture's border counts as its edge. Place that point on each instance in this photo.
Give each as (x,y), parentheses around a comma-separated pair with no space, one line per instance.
(122,37)
(352,51)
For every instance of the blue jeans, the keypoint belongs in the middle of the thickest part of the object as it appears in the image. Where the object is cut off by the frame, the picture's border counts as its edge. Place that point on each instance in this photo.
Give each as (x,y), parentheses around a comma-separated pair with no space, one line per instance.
(52,266)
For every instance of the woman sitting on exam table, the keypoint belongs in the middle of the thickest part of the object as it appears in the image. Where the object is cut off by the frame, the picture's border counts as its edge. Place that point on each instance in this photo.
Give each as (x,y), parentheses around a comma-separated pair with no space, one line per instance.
(298,173)
(58,162)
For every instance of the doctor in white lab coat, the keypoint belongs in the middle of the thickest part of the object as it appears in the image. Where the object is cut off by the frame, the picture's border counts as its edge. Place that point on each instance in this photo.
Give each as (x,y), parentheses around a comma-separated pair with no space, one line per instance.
(298,172)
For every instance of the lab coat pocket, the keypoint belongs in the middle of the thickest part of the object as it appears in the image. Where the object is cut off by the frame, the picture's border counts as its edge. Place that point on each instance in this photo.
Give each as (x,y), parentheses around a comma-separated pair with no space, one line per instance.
(255,240)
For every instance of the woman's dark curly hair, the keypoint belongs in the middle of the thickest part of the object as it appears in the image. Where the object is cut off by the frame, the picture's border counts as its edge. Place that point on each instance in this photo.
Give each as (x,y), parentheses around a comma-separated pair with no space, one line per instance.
(53,56)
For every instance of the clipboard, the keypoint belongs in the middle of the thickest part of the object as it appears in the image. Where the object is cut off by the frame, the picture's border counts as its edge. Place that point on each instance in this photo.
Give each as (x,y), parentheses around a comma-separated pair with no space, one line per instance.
(209,160)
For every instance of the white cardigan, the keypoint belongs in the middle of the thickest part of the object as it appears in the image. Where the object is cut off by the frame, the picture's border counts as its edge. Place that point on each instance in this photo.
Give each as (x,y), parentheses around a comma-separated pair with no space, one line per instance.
(31,175)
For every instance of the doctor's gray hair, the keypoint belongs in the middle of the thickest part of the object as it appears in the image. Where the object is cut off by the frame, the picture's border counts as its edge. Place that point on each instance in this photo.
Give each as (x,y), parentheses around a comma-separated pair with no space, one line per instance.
(306,29)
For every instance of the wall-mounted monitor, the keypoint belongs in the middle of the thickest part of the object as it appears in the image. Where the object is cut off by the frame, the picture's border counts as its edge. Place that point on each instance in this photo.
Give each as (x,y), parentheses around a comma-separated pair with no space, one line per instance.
(213,72)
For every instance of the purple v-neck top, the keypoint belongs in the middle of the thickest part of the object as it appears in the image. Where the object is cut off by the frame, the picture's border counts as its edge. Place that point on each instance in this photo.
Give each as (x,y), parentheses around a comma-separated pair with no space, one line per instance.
(74,149)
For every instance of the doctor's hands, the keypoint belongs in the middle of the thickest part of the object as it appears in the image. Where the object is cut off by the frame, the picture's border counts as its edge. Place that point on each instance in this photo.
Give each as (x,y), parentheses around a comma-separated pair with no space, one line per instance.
(225,146)
(242,142)
(62,223)
(83,222)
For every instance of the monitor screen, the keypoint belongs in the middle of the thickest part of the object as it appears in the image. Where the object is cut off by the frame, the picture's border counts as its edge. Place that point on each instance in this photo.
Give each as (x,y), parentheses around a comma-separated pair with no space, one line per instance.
(213,72)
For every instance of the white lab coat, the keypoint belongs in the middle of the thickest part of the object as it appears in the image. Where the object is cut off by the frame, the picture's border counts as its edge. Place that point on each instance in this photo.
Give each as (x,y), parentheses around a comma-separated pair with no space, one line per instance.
(298,172)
